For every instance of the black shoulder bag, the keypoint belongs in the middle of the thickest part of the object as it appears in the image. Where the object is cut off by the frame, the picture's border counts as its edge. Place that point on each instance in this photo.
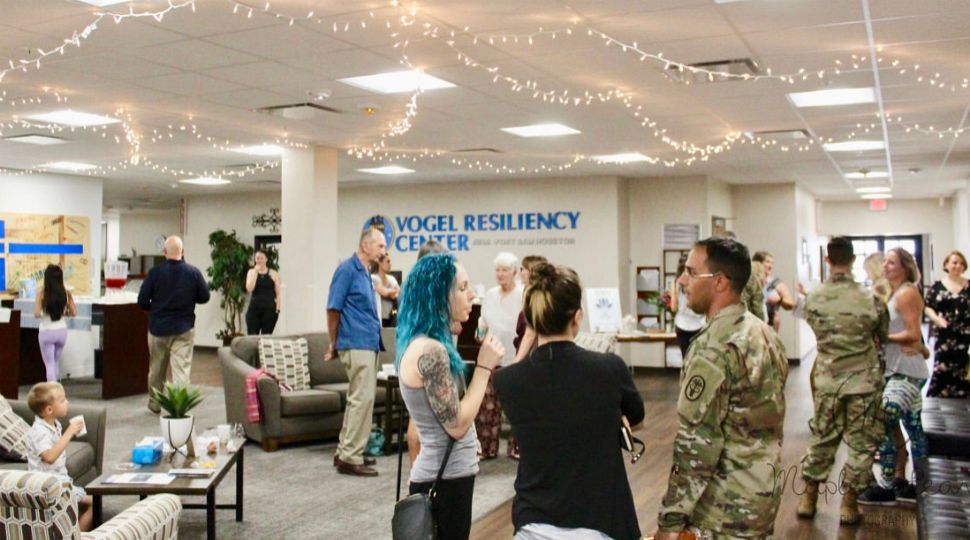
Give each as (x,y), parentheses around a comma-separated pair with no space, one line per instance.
(413,519)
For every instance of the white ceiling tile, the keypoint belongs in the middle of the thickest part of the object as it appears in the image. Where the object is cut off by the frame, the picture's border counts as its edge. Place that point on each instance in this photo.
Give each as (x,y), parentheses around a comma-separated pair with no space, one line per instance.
(189,84)
(194,54)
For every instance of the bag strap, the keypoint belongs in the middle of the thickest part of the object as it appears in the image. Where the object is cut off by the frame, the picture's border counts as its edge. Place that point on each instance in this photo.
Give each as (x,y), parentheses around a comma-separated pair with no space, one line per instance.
(400,444)
(444,463)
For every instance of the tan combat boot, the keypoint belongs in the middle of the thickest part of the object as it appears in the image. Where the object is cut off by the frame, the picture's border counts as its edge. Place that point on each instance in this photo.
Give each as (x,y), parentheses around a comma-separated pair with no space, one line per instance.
(849,511)
(808,500)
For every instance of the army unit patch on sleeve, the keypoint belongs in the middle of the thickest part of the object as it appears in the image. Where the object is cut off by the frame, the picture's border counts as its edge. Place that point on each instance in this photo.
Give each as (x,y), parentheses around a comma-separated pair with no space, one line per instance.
(694,388)
(701,383)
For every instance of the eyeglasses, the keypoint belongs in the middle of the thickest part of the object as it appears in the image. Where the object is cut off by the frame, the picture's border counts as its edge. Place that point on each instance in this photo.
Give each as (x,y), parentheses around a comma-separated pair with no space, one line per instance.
(692,275)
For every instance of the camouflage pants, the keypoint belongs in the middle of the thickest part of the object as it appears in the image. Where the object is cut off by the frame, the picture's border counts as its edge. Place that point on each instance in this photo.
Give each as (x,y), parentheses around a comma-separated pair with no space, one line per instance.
(855,419)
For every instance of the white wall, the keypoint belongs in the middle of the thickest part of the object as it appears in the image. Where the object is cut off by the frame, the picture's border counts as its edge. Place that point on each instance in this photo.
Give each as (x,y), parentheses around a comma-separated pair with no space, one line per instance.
(904,216)
(719,203)
(56,194)
(139,231)
(806,223)
(765,220)
(961,220)
(207,213)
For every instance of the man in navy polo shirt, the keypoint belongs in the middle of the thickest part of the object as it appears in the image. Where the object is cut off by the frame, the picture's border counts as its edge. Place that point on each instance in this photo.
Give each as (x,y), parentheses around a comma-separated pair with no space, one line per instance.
(169,295)
(355,337)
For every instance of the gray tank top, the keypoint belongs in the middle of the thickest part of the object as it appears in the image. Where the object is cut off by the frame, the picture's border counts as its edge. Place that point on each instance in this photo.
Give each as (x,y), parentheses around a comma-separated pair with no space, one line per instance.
(911,365)
(434,441)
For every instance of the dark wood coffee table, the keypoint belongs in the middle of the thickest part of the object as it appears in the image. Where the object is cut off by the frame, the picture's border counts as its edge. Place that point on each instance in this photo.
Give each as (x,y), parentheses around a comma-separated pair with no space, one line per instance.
(180,486)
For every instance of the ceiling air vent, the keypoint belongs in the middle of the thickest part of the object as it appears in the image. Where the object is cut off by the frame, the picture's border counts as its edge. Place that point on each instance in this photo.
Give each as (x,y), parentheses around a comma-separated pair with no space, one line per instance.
(780,134)
(737,66)
(476,151)
(297,111)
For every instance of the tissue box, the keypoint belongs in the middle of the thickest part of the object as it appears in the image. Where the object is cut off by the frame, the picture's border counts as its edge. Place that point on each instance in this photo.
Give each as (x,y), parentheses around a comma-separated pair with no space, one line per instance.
(147,452)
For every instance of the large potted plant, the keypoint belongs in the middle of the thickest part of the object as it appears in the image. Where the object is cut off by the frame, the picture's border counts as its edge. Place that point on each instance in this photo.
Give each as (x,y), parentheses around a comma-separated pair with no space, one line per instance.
(176,401)
(231,259)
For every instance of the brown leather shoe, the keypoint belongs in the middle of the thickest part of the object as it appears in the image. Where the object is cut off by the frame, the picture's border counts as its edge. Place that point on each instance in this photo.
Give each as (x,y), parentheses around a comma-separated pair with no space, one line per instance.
(368,461)
(354,470)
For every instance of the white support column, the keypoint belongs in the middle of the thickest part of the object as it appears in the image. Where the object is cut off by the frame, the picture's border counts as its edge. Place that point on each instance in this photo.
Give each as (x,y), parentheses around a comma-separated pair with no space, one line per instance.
(112,220)
(308,255)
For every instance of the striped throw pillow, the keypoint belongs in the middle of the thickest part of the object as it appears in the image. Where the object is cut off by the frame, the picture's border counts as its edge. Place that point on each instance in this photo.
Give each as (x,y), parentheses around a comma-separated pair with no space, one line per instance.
(13,432)
(288,360)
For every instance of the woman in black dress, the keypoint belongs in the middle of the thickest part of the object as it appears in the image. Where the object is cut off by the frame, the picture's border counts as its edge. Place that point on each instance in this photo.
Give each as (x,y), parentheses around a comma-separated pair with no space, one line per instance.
(264,305)
(948,307)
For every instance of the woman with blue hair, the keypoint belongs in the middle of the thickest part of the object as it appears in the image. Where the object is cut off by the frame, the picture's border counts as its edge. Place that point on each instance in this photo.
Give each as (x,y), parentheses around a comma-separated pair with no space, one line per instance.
(432,382)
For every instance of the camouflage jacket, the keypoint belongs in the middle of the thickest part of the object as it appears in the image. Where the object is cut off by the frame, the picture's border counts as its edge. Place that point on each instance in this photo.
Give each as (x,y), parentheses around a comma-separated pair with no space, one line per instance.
(753,297)
(727,451)
(849,322)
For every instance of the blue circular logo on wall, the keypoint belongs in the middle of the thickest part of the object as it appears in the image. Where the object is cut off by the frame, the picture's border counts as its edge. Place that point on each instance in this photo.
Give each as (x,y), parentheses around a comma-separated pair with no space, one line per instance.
(382,224)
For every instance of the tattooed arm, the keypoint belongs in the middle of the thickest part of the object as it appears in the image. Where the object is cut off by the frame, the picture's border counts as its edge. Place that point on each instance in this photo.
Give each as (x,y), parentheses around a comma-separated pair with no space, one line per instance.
(455,415)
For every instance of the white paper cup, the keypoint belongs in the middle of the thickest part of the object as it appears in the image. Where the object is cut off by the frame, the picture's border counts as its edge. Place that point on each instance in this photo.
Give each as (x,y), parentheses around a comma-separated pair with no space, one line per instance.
(84,427)
(223,430)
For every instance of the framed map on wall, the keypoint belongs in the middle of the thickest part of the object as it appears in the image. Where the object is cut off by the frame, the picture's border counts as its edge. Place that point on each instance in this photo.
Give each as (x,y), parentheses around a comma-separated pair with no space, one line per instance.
(29,242)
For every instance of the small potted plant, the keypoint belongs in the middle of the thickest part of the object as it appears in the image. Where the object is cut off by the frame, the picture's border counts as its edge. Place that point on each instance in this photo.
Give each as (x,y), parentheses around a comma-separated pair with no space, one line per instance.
(176,401)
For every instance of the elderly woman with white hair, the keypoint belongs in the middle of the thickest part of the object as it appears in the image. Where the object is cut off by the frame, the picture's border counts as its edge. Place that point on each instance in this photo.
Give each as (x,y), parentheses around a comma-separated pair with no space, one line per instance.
(500,312)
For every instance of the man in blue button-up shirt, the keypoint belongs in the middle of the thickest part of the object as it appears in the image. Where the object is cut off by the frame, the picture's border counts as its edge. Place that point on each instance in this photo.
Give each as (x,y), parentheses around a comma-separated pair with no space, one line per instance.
(355,337)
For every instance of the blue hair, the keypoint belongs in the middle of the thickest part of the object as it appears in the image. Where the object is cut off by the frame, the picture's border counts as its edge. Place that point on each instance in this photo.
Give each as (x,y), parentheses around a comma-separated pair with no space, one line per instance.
(425,308)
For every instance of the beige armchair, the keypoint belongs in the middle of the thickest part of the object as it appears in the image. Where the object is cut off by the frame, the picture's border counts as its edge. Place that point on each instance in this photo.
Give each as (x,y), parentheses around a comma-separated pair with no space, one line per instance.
(36,505)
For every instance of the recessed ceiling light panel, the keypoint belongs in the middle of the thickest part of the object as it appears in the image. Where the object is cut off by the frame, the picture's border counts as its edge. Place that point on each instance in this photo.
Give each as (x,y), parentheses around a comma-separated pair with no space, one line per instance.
(853,146)
(72,166)
(35,138)
(541,130)
(205,181)
(104,3)
(68,117)
(626,157)
(260,150)
(869,175)
(877,196)
(388,169)
(832,97)
(396,82)
(873,189)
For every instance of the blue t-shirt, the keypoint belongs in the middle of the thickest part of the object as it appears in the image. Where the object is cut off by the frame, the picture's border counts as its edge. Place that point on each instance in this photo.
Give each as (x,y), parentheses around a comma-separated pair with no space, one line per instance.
(352,294)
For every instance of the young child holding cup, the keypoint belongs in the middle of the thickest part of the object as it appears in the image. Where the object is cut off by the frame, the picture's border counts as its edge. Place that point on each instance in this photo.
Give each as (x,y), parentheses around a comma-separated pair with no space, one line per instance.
(47,441)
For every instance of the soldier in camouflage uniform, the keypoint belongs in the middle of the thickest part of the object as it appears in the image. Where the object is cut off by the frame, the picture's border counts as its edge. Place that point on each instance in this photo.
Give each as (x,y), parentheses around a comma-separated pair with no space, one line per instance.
(753,295)
(727,452)
(849,322)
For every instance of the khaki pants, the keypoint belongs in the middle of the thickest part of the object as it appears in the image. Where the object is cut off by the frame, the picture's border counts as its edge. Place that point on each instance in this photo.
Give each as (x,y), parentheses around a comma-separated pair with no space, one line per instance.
(361,369)
(165,351)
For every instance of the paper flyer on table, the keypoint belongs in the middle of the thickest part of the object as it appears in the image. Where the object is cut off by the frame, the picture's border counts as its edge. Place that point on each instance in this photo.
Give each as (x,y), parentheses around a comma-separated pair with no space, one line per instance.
(158,479)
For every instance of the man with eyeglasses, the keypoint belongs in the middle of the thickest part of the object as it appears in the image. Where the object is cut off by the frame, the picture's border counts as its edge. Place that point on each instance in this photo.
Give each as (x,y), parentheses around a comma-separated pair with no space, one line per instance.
(727,451)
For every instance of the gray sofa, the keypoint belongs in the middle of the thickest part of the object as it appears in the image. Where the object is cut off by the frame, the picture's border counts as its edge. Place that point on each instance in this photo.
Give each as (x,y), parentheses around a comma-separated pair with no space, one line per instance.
(298,415)
(85,454)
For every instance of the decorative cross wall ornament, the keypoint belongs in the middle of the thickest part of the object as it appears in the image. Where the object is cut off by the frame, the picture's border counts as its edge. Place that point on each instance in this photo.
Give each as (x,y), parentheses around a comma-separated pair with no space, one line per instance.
(273,220)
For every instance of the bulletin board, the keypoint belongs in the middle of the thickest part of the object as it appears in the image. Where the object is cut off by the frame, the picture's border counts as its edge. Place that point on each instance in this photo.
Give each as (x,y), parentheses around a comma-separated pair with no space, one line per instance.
(29,242)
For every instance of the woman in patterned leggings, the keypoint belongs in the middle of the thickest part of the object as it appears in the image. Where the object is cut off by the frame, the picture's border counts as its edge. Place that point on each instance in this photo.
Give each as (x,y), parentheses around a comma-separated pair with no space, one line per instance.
(905,375)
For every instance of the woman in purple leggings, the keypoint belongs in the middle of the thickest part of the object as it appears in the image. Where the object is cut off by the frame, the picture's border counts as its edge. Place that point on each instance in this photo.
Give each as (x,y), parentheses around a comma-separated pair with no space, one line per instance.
(53,303)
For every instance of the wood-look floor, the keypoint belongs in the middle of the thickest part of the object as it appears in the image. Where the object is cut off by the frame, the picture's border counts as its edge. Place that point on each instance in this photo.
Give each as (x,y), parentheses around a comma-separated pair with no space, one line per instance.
(648,477)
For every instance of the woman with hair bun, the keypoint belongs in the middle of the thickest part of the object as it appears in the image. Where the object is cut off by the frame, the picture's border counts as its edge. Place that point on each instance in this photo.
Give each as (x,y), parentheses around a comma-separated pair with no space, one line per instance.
(566,406)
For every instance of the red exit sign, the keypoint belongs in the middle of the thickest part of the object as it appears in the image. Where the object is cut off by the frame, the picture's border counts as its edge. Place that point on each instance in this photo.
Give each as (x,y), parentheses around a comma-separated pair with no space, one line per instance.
(878,205)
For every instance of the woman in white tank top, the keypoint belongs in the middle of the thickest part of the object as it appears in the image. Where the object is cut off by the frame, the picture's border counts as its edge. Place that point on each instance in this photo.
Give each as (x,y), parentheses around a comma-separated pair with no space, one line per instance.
(906,373)
(53,303)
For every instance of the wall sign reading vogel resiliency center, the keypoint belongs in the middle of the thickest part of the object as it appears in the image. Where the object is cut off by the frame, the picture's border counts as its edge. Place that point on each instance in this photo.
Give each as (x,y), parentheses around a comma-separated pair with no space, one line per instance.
(457,232)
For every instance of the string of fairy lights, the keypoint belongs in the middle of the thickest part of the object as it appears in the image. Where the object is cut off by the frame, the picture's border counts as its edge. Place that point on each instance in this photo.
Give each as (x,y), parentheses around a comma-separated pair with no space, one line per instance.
(406,17)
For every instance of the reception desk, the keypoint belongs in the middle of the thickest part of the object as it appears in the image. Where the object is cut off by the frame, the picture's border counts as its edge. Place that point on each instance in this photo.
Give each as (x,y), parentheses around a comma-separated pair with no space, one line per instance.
(108,341)
(654,349)
(10,355)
